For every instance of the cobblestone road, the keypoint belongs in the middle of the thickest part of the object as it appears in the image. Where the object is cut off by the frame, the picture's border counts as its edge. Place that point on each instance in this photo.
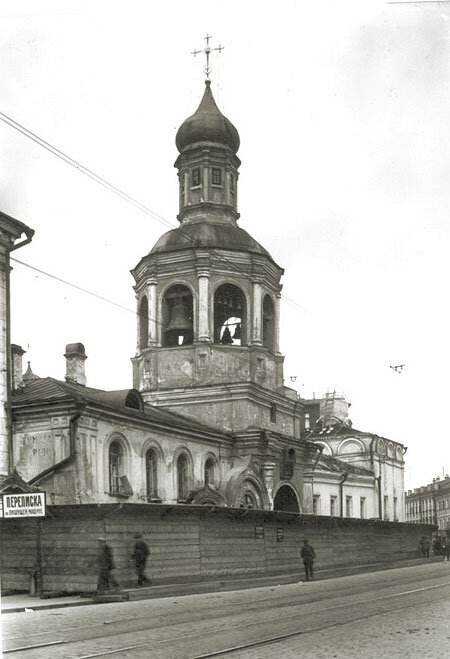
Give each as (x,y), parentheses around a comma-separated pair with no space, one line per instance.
(393,613)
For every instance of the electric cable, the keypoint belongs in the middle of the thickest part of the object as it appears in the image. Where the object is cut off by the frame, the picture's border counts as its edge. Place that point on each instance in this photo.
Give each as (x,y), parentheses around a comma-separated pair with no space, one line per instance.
(124,195)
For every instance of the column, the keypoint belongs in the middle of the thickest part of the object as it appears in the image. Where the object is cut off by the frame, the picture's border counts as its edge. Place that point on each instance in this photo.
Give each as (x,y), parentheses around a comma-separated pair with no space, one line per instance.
(186,189)
(151,298)
(276,328)
(138,326)
(203,306)
(257,314)
(268,469)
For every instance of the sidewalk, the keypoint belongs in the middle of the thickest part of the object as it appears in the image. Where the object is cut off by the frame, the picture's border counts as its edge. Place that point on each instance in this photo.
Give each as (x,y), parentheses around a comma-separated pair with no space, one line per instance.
(22,602)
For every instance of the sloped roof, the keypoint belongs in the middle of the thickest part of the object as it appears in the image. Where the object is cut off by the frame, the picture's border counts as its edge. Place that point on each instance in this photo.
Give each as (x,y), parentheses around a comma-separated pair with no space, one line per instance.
(14,483)
(50,390)
(339,429)
(209,235)
(328,463)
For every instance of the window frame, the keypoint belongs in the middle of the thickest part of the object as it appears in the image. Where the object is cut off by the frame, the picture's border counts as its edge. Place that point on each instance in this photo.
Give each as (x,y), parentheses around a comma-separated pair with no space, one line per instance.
(116,466)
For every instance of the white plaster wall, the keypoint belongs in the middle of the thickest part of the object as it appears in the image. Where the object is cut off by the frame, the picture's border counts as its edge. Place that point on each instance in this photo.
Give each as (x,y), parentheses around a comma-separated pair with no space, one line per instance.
(326,488)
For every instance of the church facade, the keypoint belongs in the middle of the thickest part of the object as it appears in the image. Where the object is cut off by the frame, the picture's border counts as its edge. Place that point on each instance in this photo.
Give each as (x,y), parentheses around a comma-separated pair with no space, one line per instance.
(209,419)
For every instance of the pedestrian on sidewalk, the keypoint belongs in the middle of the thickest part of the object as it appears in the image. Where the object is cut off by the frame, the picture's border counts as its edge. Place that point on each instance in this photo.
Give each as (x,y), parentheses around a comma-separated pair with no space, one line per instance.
(445,550)
(139,558)
(424,547)
(105,565)
(308,556)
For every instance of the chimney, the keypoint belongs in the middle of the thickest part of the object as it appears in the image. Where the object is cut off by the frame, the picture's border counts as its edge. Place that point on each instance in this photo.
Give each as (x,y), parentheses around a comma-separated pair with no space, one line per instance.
(75,357)
(16,371)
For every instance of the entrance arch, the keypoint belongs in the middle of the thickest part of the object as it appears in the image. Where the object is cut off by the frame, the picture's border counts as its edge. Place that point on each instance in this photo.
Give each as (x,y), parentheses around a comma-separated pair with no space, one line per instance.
(286,500)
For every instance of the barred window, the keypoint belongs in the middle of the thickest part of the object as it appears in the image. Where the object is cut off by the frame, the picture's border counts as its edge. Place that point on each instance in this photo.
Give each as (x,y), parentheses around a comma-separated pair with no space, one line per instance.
(151,468)
(115,466)
(196,177)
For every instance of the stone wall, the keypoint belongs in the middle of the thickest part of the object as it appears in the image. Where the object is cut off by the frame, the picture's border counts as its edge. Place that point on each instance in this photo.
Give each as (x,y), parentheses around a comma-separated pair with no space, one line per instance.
(190,543)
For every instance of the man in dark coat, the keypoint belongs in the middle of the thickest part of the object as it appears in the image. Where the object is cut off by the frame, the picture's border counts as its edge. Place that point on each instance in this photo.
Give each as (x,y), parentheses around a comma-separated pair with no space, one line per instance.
(308,556)
(105,565)
(139,558)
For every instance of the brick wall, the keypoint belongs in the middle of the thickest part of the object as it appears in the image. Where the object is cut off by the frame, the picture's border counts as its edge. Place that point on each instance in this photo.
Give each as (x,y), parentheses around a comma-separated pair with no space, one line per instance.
(190,543)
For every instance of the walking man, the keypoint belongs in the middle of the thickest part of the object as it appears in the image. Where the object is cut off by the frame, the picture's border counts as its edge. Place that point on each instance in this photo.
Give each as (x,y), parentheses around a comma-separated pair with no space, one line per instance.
(105,565)
(308,556)
(139,558)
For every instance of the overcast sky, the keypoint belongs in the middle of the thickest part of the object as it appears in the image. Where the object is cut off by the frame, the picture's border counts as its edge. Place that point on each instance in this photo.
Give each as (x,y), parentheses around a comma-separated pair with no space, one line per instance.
(343,113)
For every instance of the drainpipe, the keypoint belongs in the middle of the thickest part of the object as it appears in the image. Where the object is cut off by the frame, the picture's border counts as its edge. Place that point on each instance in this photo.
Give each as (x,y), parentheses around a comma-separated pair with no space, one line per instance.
(9,426)
(344,477)
(73,426)
(377,478)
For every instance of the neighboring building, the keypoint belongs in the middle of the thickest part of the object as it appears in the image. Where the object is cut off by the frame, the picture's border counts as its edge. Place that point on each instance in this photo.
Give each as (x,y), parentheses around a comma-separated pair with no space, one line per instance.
(430,504)
(209,419)
(11,230)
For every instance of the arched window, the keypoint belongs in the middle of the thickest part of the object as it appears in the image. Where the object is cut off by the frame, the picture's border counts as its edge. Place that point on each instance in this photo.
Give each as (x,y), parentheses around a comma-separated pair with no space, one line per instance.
(143,323)
(209,471)
(151,471)
(268,325)
(182,477)
(115,466)
(230,316)
(177,316)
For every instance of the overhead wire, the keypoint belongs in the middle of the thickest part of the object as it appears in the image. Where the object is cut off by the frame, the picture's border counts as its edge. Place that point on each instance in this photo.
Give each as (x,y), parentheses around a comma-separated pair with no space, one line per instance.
(124,195)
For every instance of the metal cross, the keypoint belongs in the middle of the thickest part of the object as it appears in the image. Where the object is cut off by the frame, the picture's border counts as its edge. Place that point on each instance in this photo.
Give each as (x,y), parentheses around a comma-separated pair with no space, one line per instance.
(208,50)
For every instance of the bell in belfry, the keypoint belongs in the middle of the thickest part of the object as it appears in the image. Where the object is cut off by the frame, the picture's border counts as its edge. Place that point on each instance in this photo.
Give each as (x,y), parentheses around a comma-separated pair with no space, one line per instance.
(226,337)
(179,319)
(237,332)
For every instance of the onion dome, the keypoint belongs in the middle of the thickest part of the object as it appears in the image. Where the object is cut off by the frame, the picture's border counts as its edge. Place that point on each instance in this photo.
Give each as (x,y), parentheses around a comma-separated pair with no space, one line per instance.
(207,124)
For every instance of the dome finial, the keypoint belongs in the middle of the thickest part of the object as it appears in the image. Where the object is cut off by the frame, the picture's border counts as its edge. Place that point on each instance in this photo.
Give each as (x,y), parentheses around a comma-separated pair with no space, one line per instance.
(208,50)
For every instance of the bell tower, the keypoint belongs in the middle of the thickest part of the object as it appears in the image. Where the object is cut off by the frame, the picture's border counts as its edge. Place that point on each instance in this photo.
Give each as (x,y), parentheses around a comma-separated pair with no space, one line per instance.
(208,297)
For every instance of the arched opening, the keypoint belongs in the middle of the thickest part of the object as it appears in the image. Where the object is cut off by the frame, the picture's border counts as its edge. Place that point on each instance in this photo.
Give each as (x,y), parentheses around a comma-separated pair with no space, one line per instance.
(182,477)
(115,466)
(249,496)
(151,472)
(286,500)
(209,471)
(177,312)
(230,316)
(143,323)
(268,325)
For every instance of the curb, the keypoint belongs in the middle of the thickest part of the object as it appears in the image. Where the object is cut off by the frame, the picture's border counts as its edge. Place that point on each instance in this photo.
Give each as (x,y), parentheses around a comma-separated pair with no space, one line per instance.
(200,587)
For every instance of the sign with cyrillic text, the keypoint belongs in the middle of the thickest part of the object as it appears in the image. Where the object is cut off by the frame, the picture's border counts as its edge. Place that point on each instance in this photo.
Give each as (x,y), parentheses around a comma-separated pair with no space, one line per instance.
(24,505)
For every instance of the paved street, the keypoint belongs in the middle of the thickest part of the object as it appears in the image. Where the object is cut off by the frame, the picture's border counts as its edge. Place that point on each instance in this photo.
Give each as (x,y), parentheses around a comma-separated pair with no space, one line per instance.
(393,613)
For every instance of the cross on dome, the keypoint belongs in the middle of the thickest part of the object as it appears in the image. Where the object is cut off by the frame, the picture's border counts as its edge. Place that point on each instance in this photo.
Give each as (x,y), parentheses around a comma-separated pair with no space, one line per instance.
(208,50)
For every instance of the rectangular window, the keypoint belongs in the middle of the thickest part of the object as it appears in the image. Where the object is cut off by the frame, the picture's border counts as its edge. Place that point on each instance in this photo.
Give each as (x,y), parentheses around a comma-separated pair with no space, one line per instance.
(196,177)
(333,506)
(307,421)
(386,507)
(348,506)
(216,176)
(395,508)
(362,507)
(232,184)
(316,504)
